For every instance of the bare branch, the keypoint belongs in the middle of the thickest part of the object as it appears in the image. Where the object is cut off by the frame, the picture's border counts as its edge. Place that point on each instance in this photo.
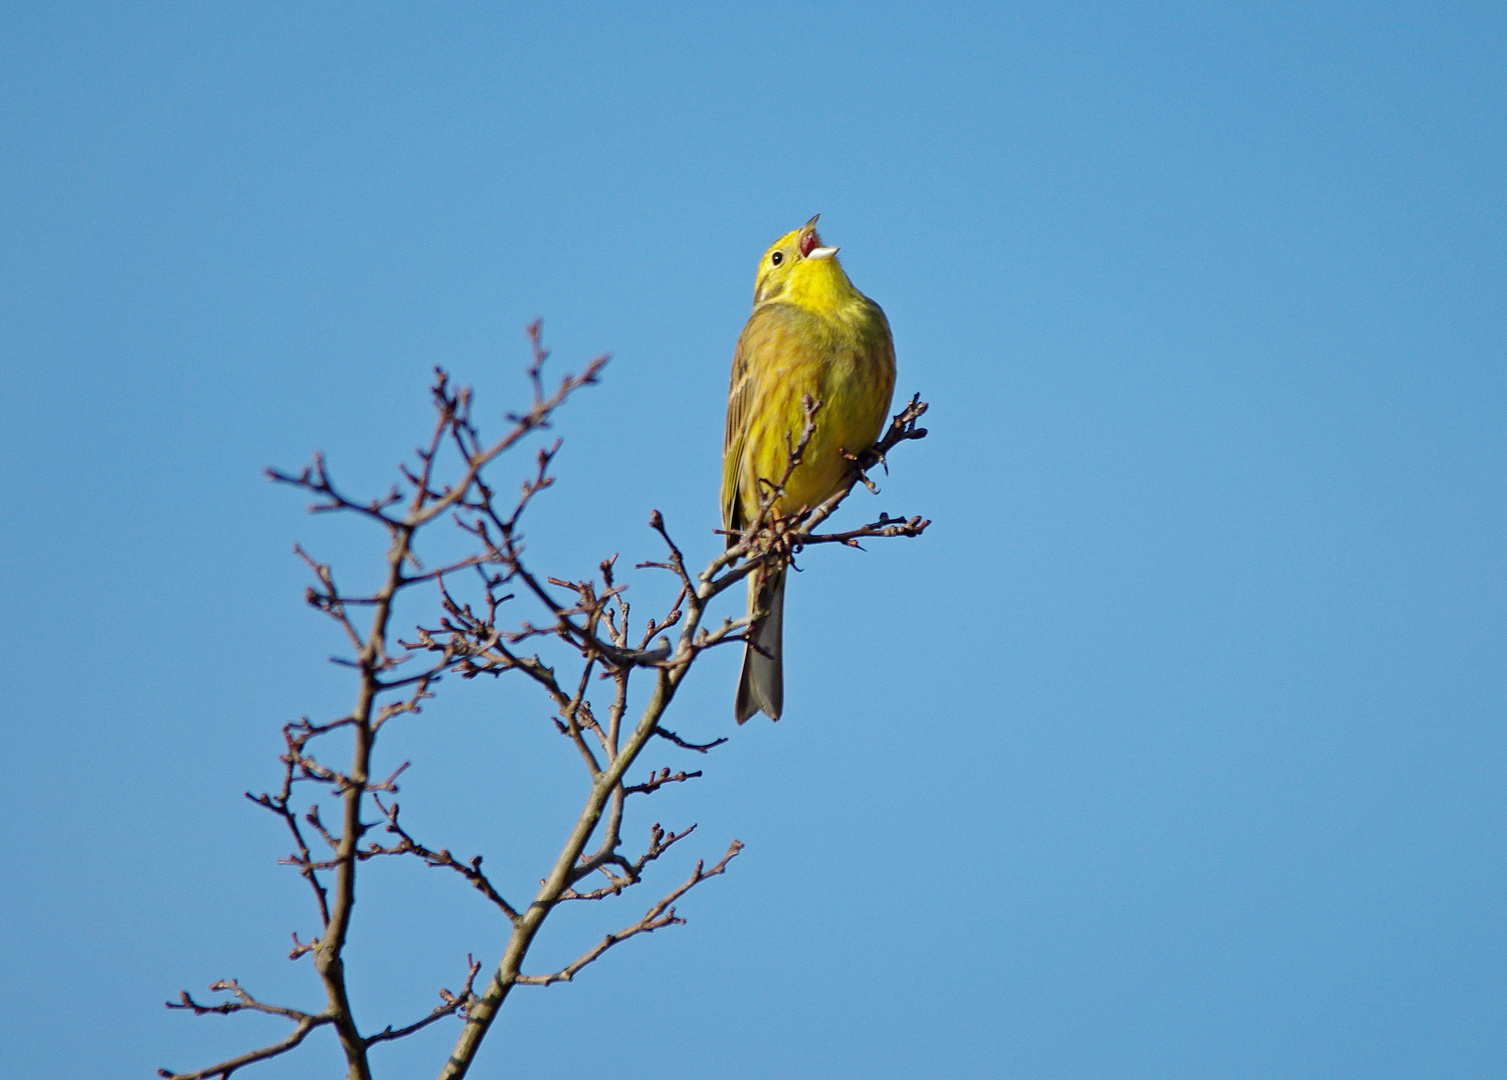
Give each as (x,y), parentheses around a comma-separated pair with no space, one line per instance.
(304,1023)
(632,872)
(243,1001)
(316,480)
(295,736)
(700,748)
(660,915)
(451,1005)
(408,845)
(224,1069)
(659,780)
(886,526)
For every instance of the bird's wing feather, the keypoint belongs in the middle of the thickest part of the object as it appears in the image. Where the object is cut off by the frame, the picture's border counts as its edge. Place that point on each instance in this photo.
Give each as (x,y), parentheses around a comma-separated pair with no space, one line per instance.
(741,395)
(732,440)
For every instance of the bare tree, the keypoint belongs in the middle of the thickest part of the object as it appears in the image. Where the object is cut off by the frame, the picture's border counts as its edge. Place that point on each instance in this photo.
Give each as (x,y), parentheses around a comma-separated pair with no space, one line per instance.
(470,635)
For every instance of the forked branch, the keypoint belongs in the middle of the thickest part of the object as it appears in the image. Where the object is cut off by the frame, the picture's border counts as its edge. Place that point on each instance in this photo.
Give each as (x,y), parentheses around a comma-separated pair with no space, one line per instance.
(660,915)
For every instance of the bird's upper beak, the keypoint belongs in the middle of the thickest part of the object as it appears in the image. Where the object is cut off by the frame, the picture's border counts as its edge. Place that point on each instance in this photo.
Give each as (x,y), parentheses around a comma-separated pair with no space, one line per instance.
(811,244)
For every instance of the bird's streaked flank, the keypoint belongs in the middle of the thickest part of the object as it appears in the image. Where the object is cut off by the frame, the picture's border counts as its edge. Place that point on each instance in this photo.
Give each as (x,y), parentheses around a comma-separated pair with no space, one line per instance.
(811,334)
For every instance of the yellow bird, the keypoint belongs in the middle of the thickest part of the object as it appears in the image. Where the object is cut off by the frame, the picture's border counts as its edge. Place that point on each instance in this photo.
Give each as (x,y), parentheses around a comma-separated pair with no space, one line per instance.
(811,332)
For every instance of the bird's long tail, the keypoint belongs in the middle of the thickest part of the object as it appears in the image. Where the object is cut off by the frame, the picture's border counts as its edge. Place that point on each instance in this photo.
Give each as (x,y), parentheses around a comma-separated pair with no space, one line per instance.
(761,687)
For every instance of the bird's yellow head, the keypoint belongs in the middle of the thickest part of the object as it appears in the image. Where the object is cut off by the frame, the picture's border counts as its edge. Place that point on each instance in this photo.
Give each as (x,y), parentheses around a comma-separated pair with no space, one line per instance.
(797,269)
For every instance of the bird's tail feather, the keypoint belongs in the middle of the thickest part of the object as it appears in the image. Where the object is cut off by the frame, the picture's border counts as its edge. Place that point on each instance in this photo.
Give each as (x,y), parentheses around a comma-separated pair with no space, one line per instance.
(761,686)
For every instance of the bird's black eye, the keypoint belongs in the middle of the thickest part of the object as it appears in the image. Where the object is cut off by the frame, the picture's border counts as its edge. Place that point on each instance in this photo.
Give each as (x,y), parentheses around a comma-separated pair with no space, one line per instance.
(777,258)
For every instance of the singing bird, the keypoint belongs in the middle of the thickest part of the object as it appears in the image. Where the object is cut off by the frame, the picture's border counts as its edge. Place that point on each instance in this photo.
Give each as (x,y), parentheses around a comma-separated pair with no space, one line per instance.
(811,332)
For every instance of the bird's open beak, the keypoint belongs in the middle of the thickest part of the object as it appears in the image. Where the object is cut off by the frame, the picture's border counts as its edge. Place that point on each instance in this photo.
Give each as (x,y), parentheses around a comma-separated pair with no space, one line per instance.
(811,243)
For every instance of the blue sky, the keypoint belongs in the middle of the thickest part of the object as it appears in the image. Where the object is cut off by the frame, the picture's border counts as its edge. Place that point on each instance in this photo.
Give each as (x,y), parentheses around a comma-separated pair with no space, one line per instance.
(1174,749)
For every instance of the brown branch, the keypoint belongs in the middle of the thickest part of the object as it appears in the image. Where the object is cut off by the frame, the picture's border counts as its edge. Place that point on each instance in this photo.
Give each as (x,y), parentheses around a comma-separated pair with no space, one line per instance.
(317,824)
(700,748)
(886,526)
(659,780)
(316,480)
(304,1023)
(327,598)
(243,1001)
(278,804)
(659,843)
(407,845)
(660,915)
(452,1004)
(223,1070)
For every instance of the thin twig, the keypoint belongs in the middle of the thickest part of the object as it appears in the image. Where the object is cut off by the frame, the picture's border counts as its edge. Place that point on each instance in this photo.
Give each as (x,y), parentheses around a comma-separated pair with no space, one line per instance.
(660,915)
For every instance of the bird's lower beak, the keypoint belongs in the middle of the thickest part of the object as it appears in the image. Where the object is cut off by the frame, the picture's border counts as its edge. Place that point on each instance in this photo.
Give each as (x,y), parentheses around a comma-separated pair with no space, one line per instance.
(821,253)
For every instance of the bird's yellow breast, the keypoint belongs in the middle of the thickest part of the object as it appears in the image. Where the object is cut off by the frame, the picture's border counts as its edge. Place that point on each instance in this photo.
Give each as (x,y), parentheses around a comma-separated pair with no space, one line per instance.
(823,338)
